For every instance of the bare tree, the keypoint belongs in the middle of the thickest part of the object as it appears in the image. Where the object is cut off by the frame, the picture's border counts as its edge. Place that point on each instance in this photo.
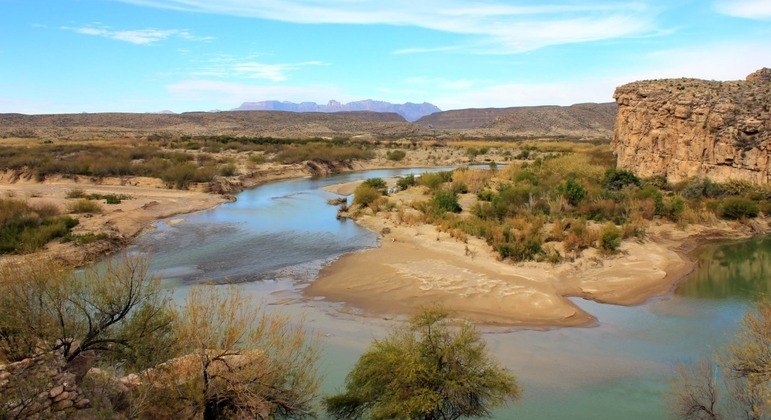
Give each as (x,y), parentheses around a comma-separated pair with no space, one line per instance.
(695,392)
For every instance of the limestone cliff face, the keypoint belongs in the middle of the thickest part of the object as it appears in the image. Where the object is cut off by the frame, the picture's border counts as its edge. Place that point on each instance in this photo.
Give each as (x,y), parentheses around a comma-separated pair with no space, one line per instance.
(683,128)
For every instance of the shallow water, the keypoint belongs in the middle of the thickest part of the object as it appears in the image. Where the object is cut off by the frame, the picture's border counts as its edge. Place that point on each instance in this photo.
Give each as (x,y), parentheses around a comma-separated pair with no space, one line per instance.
(276,237)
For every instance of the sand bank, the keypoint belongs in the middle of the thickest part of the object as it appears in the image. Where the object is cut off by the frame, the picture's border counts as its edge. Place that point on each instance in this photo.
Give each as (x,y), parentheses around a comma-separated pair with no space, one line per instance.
(417,266)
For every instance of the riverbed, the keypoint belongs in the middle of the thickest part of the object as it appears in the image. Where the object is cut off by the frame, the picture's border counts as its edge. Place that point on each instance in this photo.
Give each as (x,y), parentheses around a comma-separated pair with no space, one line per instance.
(275,238)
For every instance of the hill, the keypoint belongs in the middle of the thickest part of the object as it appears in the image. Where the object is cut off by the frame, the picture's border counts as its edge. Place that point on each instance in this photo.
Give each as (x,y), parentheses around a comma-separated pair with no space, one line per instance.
(249,123)
(409,110)
(580,120)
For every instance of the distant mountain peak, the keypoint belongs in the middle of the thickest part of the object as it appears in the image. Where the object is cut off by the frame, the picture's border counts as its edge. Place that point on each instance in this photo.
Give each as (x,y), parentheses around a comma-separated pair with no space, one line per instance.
(410,111)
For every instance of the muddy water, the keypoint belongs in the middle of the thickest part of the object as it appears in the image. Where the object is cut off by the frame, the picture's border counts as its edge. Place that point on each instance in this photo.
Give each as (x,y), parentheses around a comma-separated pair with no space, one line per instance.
(276,237)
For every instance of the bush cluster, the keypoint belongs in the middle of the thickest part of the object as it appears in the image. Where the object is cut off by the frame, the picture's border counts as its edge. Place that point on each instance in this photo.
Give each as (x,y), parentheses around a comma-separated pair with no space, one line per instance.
(26,228)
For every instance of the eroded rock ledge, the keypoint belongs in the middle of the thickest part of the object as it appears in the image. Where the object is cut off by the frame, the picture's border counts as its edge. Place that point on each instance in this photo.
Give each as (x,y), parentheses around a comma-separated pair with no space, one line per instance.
(683,128)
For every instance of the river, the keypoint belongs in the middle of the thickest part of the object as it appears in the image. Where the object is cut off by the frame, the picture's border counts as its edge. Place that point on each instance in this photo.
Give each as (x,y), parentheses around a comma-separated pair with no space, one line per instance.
(275,238)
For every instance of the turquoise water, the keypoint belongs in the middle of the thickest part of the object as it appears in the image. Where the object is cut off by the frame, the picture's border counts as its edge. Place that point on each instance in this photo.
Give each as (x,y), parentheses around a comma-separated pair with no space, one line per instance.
(276,237)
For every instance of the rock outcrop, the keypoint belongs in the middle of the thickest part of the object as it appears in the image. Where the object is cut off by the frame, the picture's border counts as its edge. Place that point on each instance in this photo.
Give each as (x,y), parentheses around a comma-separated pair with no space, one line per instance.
(683,128)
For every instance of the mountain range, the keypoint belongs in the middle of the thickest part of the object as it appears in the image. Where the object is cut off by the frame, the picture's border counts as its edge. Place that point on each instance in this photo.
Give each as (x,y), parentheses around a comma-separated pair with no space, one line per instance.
(410,111)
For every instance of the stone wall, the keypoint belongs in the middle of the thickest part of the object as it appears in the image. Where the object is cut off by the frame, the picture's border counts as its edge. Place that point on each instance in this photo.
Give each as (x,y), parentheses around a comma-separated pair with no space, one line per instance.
(39,388)
(683,128)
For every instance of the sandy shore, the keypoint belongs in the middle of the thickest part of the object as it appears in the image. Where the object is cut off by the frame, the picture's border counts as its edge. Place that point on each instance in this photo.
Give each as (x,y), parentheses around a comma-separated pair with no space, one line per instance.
(416,266)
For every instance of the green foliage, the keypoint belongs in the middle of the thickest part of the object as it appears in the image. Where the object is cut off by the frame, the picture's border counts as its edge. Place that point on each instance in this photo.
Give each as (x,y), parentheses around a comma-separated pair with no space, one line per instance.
(573,191)
(697,188)
(524,250)
(25,228)
(430,371)
(396,155)
(734,208)
(616,179)
(406,181)
(182,175)
(485,195)
(377,183)
(365,195)
(444,201)
(85,205)
(434,180)
(610,238)
(322,152)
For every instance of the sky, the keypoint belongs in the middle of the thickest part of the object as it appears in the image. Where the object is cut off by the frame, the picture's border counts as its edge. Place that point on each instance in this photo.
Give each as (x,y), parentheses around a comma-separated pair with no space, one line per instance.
(71,56)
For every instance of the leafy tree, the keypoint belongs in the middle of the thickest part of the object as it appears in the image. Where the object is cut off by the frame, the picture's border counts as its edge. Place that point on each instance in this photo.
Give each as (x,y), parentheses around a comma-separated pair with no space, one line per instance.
(431,370)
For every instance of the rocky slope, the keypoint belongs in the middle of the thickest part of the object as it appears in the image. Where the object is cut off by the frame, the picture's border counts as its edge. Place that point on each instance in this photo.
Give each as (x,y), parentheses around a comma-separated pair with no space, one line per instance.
(580,120)
(409,110)
(683,128)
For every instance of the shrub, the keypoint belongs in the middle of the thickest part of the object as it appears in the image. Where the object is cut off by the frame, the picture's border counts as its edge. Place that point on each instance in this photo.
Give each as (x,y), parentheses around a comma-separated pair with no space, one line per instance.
(365,195)
(75,193)
(85,206)
(405,182)
(520,251)
(697,188)
(738,208)
(376,183)
(396,155)
(616,179)
(573,191)
(227,170)
(434,180)
(444,201)
(610,238)
(486,195)
(25,228)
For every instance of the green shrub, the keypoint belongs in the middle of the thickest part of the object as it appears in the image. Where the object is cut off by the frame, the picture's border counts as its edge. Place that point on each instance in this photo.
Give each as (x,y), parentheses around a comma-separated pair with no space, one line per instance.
(610,238)
(365,195)
(485,195)
(697,188)
(25,228)
(444,201)
(616,179)
(405,182)
(573,191)
(396,155)
(734,208)
(376,183)
(85,206)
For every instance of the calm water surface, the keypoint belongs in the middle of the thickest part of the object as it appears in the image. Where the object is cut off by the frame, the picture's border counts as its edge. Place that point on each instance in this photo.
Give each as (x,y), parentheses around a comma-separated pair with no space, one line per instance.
(276,237)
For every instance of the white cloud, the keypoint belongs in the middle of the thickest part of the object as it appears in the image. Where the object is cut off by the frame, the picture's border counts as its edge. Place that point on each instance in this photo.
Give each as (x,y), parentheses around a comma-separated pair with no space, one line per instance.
(503,28)
(229,95)
(224,66)
(750,9)
(135,36)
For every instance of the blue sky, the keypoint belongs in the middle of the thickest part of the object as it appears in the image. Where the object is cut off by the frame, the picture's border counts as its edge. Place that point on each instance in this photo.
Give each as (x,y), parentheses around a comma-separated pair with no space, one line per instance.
(187,55)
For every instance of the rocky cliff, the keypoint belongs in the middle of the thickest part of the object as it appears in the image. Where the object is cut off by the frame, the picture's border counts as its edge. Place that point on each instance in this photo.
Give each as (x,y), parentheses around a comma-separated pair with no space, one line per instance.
(683,128)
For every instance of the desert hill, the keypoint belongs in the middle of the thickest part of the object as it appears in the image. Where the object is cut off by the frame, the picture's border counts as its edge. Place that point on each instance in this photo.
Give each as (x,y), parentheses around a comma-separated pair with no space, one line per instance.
(242,123)
(580,120)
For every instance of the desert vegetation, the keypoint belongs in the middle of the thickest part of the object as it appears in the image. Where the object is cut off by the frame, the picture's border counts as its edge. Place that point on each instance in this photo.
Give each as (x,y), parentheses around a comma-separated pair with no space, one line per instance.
(564,198)
(432,370)
(118,342)
(28,227)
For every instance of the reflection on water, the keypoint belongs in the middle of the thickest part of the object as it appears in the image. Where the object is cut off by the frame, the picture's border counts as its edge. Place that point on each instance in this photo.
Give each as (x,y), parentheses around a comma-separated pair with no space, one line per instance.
(276,238)
(737,269)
